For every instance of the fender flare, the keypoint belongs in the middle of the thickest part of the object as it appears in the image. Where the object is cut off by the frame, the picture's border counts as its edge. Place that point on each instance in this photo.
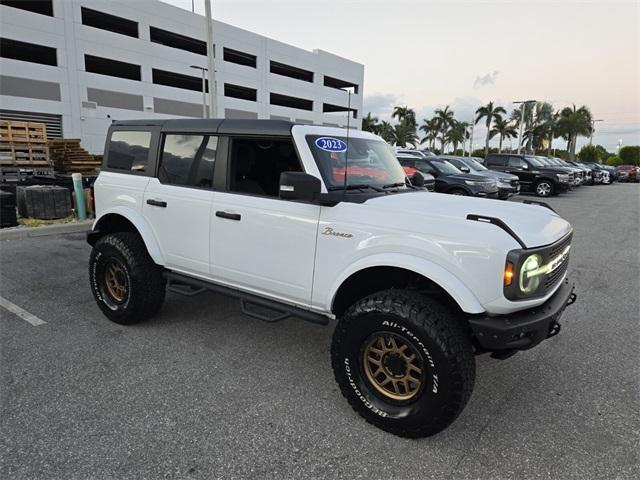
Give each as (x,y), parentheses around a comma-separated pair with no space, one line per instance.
(451,284)
(141,225)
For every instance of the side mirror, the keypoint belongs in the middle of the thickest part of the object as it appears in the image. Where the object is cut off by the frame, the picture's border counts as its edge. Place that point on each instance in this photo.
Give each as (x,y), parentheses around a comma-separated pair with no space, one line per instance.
(417,179)
(465,169)
(299,186)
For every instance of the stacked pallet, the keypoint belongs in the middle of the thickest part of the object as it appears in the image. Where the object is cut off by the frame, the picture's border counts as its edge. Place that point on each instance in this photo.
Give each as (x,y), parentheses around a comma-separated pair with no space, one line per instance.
(23,145)
(69,157)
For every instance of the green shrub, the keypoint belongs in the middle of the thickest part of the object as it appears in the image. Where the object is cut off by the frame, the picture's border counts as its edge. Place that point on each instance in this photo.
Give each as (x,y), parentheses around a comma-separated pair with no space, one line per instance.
(613,160)
(630,155)
(589,153)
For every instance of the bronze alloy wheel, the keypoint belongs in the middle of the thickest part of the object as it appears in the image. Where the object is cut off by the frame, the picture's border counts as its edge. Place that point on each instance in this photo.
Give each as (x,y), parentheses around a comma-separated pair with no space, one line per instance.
(393,366)
(116,282)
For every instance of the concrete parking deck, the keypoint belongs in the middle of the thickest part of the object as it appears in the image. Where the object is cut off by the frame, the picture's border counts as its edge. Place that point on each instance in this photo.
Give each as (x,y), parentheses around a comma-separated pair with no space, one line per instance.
(203,392)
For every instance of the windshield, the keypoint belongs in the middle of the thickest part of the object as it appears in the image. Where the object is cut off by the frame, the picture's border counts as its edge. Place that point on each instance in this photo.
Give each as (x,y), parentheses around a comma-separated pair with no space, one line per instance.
(369,161)
(534,161)
(475,165)
(444,167)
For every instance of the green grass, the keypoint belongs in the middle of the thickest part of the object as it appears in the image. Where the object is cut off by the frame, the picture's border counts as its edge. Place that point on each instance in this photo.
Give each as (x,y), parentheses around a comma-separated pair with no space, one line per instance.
(36,222)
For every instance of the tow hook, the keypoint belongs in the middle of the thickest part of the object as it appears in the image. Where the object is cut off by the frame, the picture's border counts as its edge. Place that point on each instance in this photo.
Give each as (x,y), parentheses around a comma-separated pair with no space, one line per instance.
(572,298)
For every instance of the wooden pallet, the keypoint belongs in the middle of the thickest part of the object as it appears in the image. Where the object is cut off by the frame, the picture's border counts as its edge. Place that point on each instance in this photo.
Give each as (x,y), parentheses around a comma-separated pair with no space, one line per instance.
(69,157)
(18,155)
(23,132)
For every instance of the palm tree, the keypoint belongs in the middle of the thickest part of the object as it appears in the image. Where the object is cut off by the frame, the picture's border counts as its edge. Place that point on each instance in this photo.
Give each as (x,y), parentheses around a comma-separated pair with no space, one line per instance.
(404,133)
(431,130)
(504,129)
(370,124)
(572,123)
(386,131)
(404,114)
(444,118)
(457,134)
(490,113)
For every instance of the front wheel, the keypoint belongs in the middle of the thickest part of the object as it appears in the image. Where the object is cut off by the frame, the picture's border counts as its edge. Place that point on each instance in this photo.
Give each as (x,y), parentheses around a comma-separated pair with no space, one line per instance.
(544,188)
(403,362)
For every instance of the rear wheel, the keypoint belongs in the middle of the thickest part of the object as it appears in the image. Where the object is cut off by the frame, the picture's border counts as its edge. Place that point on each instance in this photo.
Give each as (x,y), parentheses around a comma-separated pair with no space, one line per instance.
(544,188)
(403,362)
(458,191)
(127,285)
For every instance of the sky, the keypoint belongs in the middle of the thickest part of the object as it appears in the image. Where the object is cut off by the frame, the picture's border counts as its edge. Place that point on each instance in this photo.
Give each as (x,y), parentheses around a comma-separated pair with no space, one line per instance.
(428,54)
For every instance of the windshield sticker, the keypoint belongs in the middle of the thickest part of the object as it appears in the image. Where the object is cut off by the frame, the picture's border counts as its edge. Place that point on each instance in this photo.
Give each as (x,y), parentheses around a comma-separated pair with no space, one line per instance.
(329,144)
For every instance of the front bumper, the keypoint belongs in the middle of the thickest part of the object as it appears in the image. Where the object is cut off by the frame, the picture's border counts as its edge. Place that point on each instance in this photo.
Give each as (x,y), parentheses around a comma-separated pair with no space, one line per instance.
(507,192)
(524,329)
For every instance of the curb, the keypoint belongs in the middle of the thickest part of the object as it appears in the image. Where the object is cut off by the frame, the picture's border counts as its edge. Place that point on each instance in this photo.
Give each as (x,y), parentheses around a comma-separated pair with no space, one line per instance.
(16,233)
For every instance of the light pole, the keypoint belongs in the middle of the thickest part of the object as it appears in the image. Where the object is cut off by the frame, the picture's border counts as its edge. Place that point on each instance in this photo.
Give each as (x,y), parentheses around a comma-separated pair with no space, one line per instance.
(593,127)
(210,56)
(471,139)
(204,89)
(523,103)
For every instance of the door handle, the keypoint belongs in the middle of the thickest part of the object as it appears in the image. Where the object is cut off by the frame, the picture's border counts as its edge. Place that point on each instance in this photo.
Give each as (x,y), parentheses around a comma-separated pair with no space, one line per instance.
(157,203)
(230,216)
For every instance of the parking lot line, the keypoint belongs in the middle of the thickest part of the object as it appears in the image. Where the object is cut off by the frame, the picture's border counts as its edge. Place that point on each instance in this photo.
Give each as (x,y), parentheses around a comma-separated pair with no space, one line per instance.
(23,314)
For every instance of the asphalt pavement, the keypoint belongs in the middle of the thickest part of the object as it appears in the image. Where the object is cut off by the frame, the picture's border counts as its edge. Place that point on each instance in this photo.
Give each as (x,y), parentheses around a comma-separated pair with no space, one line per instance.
(203,392)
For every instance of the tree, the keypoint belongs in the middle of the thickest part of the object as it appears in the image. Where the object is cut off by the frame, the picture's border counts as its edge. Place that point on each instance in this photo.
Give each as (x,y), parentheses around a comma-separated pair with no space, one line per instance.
(444,120)
(404,114)
(386,131)
(457,134)
(589,153)
(630,155)
(431,130)
(516,117)
(404,134)
(613,160)
(370,124)
(572,123)
(490,113)
(504,129)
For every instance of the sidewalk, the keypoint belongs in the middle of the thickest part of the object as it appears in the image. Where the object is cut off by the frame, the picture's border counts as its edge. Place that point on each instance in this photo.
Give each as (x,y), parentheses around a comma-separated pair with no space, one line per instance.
(18,233)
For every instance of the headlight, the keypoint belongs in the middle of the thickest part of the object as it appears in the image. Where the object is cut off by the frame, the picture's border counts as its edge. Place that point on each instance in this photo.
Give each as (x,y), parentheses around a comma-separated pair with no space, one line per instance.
(562,177)
(529,279)
(504,181)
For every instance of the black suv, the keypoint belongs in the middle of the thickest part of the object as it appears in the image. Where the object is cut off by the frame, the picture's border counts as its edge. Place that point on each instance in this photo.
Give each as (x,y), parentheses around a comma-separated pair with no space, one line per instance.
(450,179)
(534,176)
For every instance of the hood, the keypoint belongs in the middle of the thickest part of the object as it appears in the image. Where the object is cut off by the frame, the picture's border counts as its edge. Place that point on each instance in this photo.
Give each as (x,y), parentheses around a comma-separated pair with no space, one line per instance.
(496,175)
(535,225)
(466,176)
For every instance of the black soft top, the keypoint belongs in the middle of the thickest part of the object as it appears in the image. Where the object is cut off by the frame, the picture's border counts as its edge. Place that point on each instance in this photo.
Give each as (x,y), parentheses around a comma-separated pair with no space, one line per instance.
(221,126)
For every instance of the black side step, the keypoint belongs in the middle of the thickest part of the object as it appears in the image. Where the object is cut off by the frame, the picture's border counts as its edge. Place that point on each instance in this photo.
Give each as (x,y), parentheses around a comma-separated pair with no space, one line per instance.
(283,310)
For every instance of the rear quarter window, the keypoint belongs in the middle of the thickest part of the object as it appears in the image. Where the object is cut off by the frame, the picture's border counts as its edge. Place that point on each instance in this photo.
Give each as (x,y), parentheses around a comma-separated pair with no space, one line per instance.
(128,151)
(495,161)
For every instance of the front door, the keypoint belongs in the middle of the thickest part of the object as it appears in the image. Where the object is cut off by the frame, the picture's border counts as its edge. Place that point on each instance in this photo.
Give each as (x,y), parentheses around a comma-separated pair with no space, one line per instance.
(260,243)
(177,204)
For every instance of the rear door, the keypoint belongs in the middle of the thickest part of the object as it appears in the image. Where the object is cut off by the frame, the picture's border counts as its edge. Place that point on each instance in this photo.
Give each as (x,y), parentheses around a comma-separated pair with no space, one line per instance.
(178,201)
(518,166)
(260,243)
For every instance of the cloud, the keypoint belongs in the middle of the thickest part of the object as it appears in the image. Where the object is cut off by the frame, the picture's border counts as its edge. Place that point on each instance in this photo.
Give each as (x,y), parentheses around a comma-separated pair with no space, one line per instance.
(488,79)
(380,104)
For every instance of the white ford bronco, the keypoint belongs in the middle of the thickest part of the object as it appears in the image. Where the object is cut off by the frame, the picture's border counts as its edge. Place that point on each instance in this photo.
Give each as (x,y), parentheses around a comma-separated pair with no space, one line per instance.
(322,224)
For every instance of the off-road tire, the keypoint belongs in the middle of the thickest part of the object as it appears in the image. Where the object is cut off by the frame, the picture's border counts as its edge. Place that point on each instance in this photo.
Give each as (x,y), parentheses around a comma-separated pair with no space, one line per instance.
(432,330)
(544,192)
(146,286)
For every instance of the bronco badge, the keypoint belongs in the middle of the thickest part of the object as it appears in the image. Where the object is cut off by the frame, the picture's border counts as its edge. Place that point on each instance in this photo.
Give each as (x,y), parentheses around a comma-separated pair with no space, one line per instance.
(331,231)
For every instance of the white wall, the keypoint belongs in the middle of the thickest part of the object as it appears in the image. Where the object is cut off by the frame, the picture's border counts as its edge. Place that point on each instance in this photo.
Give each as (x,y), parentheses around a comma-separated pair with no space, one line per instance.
(73,40)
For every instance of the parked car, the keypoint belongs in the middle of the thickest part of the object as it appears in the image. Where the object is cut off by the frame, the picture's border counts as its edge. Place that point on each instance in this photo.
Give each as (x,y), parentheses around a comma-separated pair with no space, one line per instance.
(428,180)
(411,151)
(578,173)
(596,173)
(614,174)
(508,184)
(534,175)
(588,172)
(603,174)
(628,173)
(311,222)
(450,179)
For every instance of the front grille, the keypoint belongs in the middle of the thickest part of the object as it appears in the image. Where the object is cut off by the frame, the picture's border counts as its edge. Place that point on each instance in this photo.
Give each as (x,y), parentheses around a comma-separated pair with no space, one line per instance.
(552,278)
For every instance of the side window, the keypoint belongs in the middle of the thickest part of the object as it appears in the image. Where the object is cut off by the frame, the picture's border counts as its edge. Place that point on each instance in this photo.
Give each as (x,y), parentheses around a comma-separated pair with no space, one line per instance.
(515,162)
(424,167)
(495,161)
(406,162)
(256,165)
(188,160)
(129,150)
